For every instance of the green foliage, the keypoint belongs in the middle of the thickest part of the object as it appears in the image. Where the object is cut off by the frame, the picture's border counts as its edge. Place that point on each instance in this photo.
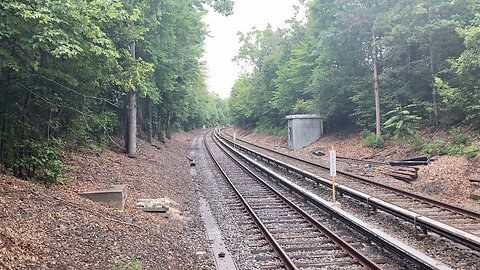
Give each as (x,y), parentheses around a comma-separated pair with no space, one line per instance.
(371,140)
(458,137)
(427,54)
(66,66)
(401,122)
(458,143)
(270,130)
(119,264)
(37,161)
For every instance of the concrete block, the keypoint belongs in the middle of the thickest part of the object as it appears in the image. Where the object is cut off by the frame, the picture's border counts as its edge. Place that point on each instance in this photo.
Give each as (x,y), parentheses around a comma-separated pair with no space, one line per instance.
(154,205)
(115,196)
(336,205)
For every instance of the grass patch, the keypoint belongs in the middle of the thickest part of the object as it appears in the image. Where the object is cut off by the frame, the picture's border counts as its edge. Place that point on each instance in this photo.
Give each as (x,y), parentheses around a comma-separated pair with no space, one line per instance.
(125,264)
(371,140)
(275,131)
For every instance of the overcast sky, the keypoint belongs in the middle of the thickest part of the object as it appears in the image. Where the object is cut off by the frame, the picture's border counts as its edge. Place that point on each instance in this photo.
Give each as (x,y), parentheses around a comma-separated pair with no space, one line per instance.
(223,44)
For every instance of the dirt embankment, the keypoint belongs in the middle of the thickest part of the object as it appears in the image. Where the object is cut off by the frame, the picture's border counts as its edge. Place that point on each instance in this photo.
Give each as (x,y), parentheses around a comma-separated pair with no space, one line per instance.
(54,228)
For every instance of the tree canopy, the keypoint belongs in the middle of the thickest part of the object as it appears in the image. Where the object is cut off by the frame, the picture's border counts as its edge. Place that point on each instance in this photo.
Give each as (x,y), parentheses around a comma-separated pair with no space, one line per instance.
(422,52)
(67,66)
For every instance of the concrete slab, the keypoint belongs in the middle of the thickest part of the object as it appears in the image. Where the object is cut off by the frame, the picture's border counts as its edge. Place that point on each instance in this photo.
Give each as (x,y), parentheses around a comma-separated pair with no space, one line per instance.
(223,258)
(114,196)
(154,205)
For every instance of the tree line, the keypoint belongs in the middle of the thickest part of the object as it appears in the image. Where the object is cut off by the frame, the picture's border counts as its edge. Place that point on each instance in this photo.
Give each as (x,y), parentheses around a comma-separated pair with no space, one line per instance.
(79,72)
(376,65)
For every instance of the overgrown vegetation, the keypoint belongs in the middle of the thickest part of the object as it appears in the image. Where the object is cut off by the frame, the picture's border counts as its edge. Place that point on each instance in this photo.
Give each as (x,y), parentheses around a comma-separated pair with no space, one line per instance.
(421,52)
(67,67)
(401,122)
(457,144)
(373,141)
(275,131)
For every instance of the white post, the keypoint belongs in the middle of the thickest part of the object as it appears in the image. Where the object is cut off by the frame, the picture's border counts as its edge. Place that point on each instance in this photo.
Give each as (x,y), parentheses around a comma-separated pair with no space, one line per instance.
(333,171)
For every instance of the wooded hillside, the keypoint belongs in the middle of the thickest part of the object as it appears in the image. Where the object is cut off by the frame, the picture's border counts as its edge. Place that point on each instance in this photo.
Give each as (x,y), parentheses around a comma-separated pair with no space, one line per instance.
(375,65)
(79,72)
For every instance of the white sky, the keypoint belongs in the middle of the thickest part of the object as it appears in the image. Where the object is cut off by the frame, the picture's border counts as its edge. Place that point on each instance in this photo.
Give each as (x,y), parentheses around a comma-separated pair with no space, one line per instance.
(223,44)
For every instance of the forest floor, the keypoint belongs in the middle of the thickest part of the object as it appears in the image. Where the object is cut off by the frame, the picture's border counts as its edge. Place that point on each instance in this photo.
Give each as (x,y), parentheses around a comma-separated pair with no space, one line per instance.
(447,178)
(54,228)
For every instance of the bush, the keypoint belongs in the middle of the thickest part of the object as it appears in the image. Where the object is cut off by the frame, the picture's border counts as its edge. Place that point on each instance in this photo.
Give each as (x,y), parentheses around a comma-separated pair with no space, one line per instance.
(401,122)
(162,136)
(433,147)
(37,161)
(457,145)
(458,137)
(472,151)
(371,140)
(275,131)
(95,133)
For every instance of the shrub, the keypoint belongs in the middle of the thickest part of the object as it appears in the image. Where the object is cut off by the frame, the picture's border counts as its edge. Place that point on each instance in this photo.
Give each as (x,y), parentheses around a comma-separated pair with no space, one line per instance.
(401,122)
(472,151)
(457,145)
(371,140)
(275,131)
(458,137)
(37,161)
(434,147)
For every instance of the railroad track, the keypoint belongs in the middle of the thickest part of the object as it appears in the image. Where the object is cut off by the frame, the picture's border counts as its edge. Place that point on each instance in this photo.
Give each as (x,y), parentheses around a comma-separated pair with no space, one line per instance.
(455,223)
(296,237)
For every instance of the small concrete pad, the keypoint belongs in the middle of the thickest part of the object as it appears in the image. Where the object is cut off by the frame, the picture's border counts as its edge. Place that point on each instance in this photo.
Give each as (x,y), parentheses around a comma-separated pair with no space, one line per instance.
(336,205)
(154,205)
(115,196)
(223,258)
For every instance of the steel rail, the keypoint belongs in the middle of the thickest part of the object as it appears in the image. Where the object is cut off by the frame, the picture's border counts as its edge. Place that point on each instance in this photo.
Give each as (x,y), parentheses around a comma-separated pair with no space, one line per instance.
(452,233)
(373,234)
(276,246)
(347,248)
(450,207)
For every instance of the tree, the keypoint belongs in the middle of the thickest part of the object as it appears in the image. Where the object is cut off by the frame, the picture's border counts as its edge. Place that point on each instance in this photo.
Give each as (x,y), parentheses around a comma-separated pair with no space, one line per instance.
(68,68)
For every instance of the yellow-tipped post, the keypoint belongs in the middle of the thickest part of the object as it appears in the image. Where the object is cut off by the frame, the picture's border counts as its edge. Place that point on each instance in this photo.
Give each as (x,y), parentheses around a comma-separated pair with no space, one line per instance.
(333,172)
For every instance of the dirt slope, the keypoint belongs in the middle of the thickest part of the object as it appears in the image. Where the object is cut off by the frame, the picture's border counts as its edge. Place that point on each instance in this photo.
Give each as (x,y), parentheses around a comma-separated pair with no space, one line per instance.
(54,228)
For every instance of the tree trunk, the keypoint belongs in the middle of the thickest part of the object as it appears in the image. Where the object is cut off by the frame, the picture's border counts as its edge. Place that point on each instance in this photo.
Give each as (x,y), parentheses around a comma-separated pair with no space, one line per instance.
(169,136)
(140,118)
(132,115)
(160,137)
(3,132)
(125,120)
(132,124)
(149,120)
(43,59)
(432,76)
(375,84)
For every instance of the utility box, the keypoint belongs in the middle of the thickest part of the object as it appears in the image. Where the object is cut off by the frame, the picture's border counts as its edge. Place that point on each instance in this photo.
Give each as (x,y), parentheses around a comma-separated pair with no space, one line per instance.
(303,129)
